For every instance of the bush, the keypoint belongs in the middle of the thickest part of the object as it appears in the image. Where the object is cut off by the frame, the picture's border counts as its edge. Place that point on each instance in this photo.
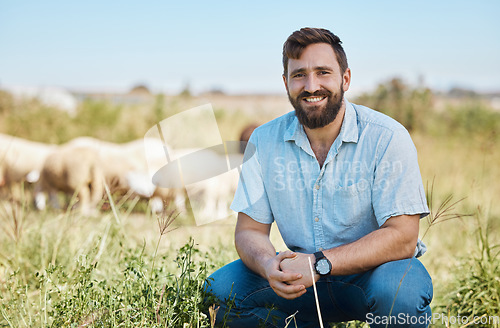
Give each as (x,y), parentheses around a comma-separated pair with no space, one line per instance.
(6,102)
(409,106)
(415,108)
(472,118)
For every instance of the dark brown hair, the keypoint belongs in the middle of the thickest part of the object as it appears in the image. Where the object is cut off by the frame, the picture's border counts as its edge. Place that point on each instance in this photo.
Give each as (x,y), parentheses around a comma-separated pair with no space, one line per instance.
(299,40)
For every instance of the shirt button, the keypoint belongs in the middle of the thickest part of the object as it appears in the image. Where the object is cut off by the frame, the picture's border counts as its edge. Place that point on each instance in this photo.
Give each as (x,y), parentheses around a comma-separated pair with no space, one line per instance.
(317,186)
(316,219)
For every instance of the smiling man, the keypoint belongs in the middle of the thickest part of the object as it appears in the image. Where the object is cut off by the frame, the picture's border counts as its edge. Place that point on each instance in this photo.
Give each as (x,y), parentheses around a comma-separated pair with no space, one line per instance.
(343,185)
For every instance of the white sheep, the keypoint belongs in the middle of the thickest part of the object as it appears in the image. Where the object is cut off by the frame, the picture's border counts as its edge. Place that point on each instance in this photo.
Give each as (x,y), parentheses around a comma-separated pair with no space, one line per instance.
(207,178)
(21,160)
(125,167)
(73,170)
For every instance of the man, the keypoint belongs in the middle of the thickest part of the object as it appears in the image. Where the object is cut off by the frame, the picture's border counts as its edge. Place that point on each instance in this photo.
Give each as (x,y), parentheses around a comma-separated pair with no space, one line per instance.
(342,183)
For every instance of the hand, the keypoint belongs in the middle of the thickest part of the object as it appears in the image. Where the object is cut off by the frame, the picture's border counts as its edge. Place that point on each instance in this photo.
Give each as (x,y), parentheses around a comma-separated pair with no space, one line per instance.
(300,264)
(282,282)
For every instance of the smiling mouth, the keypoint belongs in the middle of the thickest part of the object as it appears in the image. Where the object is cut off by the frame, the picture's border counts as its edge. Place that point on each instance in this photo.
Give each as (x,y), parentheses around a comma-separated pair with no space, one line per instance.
(313,100)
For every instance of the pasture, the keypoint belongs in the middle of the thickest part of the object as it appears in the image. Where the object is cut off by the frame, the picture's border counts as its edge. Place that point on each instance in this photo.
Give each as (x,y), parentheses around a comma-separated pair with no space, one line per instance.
(128,267)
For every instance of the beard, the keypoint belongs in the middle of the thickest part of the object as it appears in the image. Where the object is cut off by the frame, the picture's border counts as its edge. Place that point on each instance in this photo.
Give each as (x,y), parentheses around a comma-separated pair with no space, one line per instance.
(319,117)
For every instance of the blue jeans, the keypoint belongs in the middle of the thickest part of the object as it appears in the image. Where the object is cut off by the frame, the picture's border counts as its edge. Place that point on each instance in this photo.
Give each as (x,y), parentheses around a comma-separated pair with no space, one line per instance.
(405,286)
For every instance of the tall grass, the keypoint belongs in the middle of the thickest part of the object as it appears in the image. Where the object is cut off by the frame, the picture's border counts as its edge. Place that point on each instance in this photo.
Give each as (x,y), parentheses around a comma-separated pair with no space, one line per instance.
(474,294)
(52,276)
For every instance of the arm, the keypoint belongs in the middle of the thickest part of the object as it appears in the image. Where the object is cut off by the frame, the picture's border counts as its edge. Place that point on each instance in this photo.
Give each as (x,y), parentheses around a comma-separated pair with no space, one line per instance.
(394,240)
(257,252)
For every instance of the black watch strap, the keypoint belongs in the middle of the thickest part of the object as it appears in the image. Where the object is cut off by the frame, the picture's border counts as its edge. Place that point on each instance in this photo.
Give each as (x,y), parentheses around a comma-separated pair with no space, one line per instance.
(319,255)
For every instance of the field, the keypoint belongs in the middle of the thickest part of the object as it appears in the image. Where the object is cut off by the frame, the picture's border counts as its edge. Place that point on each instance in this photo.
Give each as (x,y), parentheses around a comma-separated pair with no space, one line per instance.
(128,268)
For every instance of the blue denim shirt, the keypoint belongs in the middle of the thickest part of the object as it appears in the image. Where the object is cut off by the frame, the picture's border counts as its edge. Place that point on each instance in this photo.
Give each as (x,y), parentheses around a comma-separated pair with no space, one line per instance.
(370,174)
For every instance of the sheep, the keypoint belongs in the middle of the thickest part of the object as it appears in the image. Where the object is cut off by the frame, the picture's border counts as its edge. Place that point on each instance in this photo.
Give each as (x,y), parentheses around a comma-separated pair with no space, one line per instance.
(73,170)
(115,159)
(125,167)
(21,160)
(206,177)
(131,167)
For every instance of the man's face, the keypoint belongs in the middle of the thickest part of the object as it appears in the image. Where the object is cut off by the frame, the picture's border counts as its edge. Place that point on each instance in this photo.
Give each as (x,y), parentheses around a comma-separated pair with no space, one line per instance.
(315,85)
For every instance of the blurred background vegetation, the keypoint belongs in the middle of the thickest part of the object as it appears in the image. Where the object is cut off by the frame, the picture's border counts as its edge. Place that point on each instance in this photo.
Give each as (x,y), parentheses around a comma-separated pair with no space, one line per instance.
(105,119)
(457,113)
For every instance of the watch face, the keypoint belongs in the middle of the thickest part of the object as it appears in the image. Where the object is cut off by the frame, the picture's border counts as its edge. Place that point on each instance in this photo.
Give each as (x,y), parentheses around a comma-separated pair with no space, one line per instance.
(322,267)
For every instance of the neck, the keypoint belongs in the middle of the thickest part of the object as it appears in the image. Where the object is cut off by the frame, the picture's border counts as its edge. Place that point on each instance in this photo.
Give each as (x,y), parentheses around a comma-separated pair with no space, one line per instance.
(325,136)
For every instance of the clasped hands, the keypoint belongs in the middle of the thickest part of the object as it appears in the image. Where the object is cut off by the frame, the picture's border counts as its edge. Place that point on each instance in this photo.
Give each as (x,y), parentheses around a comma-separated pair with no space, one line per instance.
(289,274)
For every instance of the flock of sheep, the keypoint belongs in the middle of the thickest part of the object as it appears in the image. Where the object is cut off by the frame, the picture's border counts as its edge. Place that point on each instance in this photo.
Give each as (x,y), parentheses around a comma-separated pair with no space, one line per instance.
(85,166)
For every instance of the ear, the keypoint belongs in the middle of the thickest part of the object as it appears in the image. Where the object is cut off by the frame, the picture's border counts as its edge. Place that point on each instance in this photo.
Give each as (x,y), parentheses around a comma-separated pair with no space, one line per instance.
(346,79)
(284,81)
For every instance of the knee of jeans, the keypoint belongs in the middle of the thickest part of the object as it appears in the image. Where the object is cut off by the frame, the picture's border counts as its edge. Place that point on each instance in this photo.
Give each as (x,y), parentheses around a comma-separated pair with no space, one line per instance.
(405,286)
(219,285)
(212,288)
(207,287)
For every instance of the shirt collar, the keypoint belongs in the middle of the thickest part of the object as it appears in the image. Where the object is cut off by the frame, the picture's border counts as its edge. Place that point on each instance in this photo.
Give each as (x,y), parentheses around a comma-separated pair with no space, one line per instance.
(348,131)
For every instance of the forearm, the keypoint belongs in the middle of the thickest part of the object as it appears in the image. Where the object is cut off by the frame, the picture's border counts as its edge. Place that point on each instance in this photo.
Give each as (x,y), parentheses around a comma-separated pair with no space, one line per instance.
(254,249)
(257,252)
(380,246)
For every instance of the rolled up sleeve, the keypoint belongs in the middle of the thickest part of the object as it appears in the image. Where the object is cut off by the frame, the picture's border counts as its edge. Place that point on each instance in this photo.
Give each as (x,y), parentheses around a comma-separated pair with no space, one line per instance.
(251,196)
(397,186)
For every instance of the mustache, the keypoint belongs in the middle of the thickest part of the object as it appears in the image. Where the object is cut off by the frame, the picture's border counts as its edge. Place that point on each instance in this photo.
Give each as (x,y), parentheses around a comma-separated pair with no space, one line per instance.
(318,93)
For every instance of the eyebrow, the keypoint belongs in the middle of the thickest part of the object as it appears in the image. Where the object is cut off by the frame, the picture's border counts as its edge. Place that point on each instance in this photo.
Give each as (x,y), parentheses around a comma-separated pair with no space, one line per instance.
(317,68)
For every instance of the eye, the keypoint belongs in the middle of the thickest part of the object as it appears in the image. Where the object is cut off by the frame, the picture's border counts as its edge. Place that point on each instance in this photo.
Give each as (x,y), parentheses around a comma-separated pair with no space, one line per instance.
(298,75)
(323,72)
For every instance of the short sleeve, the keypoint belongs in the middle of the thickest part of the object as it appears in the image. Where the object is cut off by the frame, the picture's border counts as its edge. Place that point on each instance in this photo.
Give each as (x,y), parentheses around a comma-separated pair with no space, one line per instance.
(251,196)
(397,187)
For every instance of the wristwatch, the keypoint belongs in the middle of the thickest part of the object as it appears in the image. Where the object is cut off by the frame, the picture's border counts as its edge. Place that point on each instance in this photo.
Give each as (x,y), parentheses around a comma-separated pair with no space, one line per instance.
(322,265)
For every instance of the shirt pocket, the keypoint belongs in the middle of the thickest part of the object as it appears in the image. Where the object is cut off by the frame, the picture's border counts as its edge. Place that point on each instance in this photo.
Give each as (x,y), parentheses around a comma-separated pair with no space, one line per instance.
(352,204)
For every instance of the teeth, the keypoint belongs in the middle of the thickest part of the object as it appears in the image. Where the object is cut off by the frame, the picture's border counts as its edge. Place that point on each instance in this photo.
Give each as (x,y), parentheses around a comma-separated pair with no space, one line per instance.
(314,99)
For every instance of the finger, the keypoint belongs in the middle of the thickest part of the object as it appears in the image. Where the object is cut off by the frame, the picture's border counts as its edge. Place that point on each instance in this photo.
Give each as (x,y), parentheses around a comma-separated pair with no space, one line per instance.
(289,291)
(291,296)
(285,276)
(286,288)
(291,276)
(286,254)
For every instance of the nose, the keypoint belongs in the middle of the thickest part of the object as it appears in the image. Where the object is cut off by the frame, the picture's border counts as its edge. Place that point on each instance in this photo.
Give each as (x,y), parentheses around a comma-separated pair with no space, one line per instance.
(312,83)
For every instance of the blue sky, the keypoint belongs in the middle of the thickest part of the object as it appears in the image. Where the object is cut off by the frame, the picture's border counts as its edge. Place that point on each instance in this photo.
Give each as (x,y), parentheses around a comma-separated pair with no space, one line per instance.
(236,47)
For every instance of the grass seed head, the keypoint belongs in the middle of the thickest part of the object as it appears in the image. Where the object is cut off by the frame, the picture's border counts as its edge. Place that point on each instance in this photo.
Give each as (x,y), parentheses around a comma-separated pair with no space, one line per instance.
(165,219)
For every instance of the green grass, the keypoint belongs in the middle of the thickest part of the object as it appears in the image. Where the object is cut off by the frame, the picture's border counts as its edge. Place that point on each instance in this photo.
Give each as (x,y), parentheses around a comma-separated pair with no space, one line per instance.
(475,292)
(62,270)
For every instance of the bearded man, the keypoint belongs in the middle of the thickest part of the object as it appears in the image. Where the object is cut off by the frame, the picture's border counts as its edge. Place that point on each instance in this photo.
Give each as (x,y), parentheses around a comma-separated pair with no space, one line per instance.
(343,185)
